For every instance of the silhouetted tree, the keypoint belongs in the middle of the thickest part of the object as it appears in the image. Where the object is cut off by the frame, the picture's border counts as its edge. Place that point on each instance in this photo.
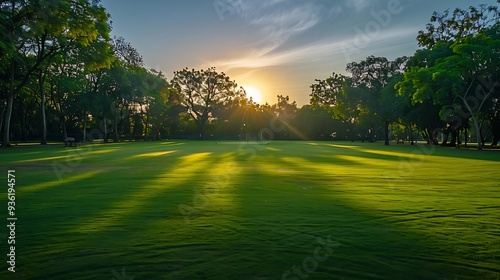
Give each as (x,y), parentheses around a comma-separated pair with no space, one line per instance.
(202,90)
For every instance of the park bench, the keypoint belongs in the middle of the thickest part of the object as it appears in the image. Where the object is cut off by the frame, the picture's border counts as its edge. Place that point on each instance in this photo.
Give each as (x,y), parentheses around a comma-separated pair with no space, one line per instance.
(69,141)
(400,141)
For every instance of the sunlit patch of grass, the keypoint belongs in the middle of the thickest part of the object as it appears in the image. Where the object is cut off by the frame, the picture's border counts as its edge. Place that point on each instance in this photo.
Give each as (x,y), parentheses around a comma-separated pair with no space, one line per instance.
(103,151)
(343,146)
(154,154)
(44,159)
(59,182)
(173,143)
(357,160)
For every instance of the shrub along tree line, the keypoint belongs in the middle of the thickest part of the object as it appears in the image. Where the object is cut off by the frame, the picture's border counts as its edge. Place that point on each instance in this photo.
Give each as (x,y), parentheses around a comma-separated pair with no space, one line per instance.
(62,75)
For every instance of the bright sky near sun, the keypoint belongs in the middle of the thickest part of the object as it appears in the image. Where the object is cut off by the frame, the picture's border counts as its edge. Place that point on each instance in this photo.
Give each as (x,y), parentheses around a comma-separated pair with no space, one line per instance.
(276,47)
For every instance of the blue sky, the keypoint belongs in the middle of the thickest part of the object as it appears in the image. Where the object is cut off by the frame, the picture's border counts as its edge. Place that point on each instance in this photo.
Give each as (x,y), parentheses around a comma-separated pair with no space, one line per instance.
(277,46)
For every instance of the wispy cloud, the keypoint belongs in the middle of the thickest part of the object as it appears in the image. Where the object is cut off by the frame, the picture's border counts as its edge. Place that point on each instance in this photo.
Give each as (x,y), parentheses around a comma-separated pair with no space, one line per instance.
(279,20)
(284,24)
(316,51)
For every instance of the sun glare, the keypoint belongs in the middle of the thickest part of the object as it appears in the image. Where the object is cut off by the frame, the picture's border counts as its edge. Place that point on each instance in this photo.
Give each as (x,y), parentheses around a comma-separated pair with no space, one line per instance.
(254,94)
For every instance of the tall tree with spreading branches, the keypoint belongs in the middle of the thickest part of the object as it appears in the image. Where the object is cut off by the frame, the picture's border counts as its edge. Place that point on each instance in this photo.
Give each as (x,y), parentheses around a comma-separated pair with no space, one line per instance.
(202,90)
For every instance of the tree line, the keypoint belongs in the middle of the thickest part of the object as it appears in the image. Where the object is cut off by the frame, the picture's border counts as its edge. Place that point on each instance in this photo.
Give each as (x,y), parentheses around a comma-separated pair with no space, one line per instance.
(450,86)
(62,75)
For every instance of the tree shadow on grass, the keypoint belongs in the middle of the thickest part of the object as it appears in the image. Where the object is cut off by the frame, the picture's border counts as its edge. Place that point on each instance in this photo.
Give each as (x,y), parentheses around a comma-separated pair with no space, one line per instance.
(421,149)
(468,153)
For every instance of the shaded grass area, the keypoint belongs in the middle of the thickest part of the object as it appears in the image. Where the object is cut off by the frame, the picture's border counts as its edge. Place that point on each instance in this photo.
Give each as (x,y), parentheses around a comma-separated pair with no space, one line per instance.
(202,210)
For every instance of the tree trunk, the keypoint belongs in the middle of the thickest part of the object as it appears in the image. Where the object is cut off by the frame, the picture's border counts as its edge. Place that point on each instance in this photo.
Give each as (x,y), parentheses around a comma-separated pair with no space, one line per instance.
(466,136)
(433,136)
(386,132)
(478,133)
(8,116)
(85,127)
(2,114)
(489,131)
(446,136)
(454,137)
(147,132)
(476,124)
(411,134)
(115,138)
(202,129)
(41,83)
(105,130)
(10,104)
(63,124)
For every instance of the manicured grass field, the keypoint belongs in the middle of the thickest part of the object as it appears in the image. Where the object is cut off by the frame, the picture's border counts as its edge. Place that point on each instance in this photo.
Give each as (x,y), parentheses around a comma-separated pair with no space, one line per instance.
(286,210)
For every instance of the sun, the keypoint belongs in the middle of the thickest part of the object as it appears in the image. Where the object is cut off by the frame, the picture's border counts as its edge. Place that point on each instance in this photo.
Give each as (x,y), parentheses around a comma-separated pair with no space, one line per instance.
(253,93)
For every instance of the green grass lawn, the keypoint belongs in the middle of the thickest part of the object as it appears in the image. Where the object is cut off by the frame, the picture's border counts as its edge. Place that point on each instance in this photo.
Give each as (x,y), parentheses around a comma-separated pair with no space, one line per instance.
(287,210)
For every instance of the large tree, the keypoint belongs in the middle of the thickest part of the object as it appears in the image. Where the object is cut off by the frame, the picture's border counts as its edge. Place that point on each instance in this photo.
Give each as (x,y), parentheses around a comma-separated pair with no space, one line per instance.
(374,74)
(202,90)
